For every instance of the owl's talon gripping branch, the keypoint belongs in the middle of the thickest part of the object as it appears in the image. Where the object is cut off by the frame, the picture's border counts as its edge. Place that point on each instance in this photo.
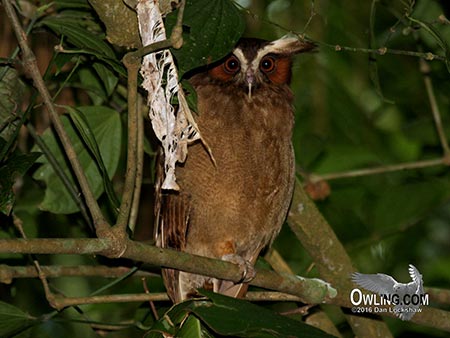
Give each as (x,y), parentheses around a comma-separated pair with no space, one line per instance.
(245,267)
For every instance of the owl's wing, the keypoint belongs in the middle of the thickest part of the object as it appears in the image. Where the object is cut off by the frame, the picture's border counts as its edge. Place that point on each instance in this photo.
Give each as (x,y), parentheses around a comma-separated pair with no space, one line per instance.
(171,223)
(378,283)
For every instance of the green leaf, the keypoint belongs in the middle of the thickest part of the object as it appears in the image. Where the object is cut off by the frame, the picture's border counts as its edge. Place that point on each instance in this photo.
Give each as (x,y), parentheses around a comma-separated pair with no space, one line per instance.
(212,30)
(16,165)
(12,92)
(172,319)
(92,85)
(230,317)
(79,32)
(106,127)
(13,320)
(191,95)
(87,134)
(193,328)
(107,77)
(236,317)
(62,4)
(79,36)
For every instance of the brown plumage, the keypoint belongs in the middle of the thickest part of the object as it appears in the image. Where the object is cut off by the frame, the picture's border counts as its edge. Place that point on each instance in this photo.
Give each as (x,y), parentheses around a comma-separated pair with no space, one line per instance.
(236,206)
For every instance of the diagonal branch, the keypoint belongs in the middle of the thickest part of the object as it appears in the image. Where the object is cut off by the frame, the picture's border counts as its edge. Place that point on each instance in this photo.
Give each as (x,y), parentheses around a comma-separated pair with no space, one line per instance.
(425,69)
(31,68)
(330,257)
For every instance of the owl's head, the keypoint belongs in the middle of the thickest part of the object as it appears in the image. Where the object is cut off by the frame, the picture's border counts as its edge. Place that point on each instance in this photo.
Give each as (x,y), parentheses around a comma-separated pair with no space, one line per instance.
(254,62)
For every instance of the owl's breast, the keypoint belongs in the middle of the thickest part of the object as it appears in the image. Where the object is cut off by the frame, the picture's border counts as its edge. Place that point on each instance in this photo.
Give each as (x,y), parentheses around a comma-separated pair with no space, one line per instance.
(249,188)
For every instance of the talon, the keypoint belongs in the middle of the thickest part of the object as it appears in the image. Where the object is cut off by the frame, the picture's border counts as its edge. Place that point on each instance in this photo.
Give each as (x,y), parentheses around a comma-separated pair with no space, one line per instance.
(247,270)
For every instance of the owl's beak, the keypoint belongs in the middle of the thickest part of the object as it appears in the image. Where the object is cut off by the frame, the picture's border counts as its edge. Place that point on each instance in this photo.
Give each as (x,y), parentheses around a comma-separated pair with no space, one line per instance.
(250,78)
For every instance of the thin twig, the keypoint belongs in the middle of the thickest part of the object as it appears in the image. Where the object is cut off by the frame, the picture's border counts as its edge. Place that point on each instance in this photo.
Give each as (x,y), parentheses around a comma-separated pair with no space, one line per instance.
(151,302)
(8,272)
(48,294)
(378,170)
(425,69)
(383,51)
(380,51)
(32,70)
(303,310)
(311,16)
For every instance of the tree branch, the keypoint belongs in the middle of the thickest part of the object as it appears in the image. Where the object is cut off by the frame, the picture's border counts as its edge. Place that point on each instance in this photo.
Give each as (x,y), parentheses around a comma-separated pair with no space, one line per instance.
(8,273)
(132,64)
(334,265)
(310,290)
(330,257)
(163,297)
(31,68)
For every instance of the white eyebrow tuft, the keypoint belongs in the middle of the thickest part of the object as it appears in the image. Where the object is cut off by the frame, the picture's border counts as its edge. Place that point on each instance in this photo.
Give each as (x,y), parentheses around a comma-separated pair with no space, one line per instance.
(241,57)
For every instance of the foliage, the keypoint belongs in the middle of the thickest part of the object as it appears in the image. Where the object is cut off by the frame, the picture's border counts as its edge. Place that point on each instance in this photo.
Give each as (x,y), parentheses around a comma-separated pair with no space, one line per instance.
(362,101)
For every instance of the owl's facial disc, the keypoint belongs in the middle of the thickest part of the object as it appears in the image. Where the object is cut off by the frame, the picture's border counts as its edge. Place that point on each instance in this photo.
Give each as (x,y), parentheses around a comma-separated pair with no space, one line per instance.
(256,62)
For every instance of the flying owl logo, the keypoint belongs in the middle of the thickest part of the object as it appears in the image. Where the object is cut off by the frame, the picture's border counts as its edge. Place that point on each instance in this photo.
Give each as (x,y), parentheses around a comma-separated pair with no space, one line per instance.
(406,297)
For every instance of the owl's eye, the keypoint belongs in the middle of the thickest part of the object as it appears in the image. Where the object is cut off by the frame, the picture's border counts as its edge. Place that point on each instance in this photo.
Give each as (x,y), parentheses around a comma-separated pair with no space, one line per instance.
(267,64)
(232,65)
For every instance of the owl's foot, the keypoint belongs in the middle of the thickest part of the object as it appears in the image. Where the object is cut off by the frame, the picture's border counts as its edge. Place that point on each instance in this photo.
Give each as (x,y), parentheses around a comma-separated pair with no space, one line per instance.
(247,269)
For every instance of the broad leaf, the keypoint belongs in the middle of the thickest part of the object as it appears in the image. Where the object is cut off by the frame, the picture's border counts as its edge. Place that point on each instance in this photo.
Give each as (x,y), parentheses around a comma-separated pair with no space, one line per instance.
(228,316)
(107,77)
(236,317)
(82,127)
(13,320)
(79,36)
(212,30)
(193,328)
(12,91)
(77,30)
(106,126)
(16,166)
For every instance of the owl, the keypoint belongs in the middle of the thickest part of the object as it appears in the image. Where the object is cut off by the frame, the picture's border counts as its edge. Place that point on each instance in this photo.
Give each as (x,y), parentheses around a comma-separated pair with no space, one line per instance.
(233,207)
